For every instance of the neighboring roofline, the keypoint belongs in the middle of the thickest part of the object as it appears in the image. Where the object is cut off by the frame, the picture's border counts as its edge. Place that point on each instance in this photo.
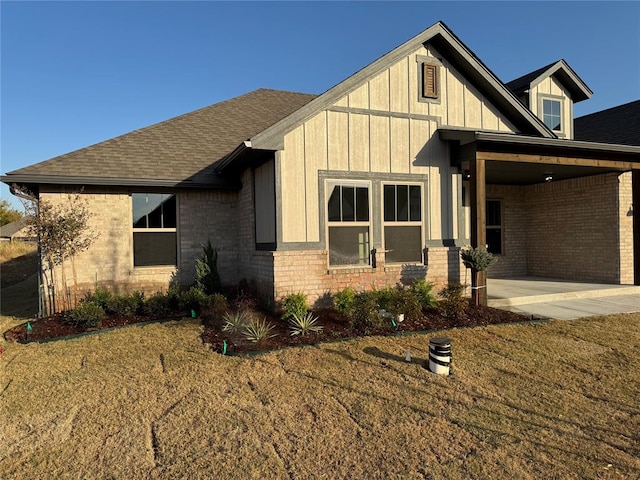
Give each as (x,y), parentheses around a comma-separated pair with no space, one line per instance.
(272,137)
(465,136)
(218,183)
(586,115)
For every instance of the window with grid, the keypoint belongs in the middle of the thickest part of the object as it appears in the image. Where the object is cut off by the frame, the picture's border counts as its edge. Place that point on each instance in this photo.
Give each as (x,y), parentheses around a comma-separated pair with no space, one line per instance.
(154,229)
(402,223)
(494,226)
(551,114)
(348,223)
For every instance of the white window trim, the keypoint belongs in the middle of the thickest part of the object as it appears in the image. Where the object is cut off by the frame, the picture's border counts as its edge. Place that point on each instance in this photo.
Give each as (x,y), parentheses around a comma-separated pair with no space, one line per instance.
(556,98)
(401,223)
(329,184)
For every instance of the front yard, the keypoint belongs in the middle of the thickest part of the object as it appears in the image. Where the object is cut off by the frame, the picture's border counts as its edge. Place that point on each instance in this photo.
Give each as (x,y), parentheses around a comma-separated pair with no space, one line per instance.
(546,400)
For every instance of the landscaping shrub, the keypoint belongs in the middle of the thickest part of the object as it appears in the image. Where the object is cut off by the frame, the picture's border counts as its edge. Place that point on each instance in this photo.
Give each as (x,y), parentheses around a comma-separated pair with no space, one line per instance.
(217,304)
(88,314)
(257,330)
(453,303)
(207,277)
(293,305)
(100,296)
(192,299)
(399,299)
(423,291)
(366,311)
(235,322)
(157,305)
(126,305)
(302,325)
(344,301)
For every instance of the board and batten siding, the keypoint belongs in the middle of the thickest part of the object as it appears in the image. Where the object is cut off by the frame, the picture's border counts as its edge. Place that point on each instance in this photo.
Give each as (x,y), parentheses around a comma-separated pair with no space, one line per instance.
(265,202)
(552,88)
(383,126)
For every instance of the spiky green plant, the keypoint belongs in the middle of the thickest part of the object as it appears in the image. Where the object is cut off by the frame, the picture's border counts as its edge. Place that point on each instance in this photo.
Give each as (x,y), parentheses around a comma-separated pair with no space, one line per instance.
(257,330)
(303,324)
(234,322)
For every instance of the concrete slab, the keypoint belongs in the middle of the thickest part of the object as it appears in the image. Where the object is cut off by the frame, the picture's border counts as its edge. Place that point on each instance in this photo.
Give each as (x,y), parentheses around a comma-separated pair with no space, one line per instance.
(551,298)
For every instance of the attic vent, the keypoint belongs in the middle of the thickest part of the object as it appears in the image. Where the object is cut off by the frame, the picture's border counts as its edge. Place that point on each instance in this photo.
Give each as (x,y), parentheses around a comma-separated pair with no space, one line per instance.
(429,80)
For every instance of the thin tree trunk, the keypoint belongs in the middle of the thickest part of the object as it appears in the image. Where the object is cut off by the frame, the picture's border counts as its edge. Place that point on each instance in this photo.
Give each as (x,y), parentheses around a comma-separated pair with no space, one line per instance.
(75,280)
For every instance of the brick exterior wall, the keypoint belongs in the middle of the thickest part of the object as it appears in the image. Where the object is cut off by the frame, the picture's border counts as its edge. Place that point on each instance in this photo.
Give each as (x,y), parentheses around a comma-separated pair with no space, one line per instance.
(308,271)
(577,229)
(574,229)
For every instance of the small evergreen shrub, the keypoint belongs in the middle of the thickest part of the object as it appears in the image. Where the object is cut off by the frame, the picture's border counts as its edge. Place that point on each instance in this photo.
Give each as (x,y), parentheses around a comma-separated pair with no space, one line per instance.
(217,304)
(293,305)
(207,277)
(157,305)
(192,299)
(123,305)
(87,314)
(100,296)
(453,303)
(477,259)
(257,330)
(366,311)
(303,325)
(423,291)
(344,301)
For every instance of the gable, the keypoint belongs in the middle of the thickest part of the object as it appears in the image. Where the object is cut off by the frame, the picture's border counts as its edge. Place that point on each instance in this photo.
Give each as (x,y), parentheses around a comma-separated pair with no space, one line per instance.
(452,50)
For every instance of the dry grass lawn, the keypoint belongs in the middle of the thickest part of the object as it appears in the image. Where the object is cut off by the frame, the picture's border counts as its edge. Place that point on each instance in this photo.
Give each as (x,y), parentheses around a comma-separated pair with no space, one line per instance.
(549,400)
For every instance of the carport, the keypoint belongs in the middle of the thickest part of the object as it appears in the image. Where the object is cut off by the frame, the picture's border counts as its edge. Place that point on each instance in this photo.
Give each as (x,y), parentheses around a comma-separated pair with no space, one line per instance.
(533,164)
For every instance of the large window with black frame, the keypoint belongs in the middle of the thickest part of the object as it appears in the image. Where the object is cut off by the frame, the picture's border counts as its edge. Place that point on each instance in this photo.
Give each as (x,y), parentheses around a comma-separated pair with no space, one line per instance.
(348,222)
(154,229)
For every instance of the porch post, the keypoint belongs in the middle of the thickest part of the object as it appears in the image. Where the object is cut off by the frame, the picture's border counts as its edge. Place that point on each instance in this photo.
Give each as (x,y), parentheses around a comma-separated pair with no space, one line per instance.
(477,169)
(635,200)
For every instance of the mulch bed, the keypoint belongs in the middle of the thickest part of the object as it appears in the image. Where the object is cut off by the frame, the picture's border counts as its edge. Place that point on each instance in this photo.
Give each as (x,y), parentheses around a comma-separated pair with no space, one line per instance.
(335,327)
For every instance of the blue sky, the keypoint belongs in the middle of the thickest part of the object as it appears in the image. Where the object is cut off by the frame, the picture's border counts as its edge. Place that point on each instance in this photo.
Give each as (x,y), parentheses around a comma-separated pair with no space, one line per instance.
(76,73)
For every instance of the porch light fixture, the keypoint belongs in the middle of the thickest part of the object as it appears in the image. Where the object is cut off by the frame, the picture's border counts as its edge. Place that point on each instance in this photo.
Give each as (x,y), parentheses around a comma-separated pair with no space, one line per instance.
(548,176)
(466,175)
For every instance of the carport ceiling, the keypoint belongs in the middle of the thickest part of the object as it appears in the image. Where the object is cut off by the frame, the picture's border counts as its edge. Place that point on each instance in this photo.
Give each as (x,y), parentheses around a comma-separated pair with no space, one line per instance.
(516,173)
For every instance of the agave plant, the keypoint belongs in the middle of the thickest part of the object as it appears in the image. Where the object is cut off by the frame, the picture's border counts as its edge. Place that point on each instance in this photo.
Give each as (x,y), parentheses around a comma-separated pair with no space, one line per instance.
(257,330)
(234,322)
(303,324)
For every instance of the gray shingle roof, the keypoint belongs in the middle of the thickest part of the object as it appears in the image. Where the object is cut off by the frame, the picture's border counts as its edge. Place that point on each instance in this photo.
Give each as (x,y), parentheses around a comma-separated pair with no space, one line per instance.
(10,229)
(183,148)
(619,125)
(520,84)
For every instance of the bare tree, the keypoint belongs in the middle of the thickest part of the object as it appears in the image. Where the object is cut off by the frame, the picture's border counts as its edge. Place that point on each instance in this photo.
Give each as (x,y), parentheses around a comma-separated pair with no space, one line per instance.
(63,231)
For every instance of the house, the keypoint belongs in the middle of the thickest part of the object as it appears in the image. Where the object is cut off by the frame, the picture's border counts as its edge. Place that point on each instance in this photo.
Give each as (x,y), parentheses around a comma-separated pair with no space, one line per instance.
(382,178)
(16,231)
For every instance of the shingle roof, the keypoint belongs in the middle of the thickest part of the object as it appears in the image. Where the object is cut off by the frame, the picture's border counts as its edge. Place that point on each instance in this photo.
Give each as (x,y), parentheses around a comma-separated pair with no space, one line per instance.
(520,84)
(561,71)
(181,148)
(619,125)
(10,229)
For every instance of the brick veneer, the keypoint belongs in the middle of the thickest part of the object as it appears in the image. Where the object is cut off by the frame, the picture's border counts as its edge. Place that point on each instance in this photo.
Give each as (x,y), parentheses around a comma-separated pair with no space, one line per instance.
(574,229)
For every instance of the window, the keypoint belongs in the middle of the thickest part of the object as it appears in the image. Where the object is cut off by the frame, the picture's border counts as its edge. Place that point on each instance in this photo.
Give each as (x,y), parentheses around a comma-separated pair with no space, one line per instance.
(402,223)
(429,80)
(494,226)
(349,225)
(154,229)
(551,115)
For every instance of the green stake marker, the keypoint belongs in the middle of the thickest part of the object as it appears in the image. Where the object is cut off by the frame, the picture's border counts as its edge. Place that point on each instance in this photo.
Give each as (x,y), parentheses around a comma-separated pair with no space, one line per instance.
(224,347)
(29,327)
(193,314)
(393,323)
